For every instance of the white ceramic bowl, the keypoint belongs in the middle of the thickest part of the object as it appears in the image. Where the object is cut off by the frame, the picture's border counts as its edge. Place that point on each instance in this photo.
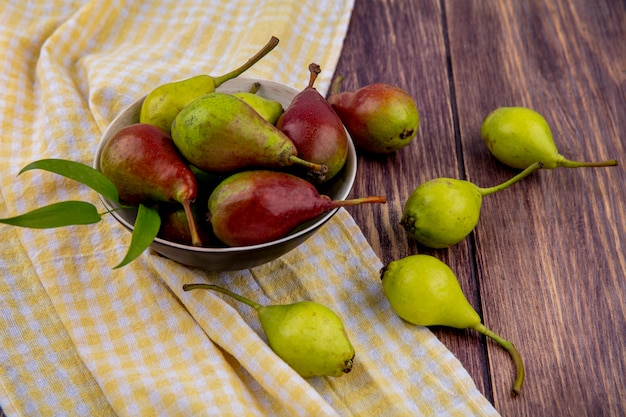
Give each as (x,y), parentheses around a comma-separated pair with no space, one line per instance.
(234,258)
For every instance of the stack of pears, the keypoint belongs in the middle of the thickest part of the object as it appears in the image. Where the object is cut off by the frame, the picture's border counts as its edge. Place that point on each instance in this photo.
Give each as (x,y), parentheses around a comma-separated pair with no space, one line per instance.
(244,169)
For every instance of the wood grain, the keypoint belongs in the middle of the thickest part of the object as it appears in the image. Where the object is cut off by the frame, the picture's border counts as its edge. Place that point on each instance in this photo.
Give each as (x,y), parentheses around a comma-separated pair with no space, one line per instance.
(404,45)
(545,266)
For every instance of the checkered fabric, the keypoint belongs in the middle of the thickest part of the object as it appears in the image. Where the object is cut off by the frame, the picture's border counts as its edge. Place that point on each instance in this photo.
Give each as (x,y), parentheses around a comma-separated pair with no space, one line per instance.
(78,337)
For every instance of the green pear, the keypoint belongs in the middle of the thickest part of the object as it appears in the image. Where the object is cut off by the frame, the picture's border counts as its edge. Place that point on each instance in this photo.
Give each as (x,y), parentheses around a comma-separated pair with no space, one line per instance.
(424,291)
(308,336)
(270,110)
(519,136)
(162,104)
(441,212)
(219,133)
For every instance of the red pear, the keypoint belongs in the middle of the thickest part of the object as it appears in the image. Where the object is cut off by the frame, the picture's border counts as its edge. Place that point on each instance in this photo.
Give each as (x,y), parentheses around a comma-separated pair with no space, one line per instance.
(143,163)
(254,207)
(175,225)
(381,118)
(315,129)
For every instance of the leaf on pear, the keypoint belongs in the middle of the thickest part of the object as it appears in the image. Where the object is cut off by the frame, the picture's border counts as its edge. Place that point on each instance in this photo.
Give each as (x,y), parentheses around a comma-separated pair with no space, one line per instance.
(80,172)
(146,227)
(65,213)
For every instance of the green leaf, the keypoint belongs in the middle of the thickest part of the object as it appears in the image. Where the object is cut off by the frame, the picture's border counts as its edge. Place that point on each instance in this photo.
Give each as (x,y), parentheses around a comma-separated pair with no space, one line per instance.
(146,227)
(80,172)
(65,213)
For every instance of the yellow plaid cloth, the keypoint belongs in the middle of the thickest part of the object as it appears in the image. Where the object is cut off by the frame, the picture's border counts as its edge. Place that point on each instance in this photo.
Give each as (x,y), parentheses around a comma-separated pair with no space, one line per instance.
(78,338)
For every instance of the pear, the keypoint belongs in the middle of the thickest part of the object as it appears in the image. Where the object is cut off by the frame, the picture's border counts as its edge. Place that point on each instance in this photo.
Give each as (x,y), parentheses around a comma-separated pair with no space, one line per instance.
(308,336)
(424,291)
(441,212)
(381,118)
(163,103)
(219,133)
(175,225)
(519,136)
(258,206)
(143,164)
(270,110)
(207,181)
(315,129)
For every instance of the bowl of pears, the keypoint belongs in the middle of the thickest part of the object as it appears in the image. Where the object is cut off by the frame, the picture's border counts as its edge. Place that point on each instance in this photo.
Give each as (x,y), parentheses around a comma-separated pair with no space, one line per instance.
(240,170)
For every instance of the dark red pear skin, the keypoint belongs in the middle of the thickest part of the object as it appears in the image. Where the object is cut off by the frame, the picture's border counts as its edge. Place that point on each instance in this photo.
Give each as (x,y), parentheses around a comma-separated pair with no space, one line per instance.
(316,130)
(380,118)
(255,207)
(145,166)
(175,226)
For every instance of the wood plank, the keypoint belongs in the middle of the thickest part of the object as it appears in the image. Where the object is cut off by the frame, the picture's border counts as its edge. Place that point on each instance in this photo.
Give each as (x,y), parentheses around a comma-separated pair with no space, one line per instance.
(550,251)
(403,44)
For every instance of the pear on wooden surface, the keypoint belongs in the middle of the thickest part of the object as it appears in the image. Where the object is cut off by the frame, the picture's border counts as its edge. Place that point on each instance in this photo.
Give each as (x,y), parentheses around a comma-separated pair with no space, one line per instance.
(381,118)
(258,206)
(315,129)
(424,291)
(308,336)
(269,109)
(144,165)
(162,104)
(441,212)
(519,136)
(219,133)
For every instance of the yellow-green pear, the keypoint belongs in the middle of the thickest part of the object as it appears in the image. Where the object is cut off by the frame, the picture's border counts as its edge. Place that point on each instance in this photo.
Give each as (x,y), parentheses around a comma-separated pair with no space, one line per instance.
(219,133)
(441,212)
(424,291)
(519,137)
(308,336)
(270,110)
(162,104)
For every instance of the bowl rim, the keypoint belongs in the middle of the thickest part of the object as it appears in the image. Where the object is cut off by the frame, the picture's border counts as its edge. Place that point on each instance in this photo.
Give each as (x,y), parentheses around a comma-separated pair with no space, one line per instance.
(350,165)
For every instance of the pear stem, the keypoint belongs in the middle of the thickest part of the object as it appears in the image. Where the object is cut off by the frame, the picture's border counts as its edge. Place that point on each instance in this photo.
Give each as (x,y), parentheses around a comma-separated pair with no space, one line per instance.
(311,165)
(335,87)
(271,44)
(529,170)
(566,163)
(509,347)
(254,87)
(314,69)
(195,237)
(362,200)
(188,287)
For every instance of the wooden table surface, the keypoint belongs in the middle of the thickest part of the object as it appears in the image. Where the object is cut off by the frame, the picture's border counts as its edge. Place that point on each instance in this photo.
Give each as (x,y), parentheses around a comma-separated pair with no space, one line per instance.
(545,266)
